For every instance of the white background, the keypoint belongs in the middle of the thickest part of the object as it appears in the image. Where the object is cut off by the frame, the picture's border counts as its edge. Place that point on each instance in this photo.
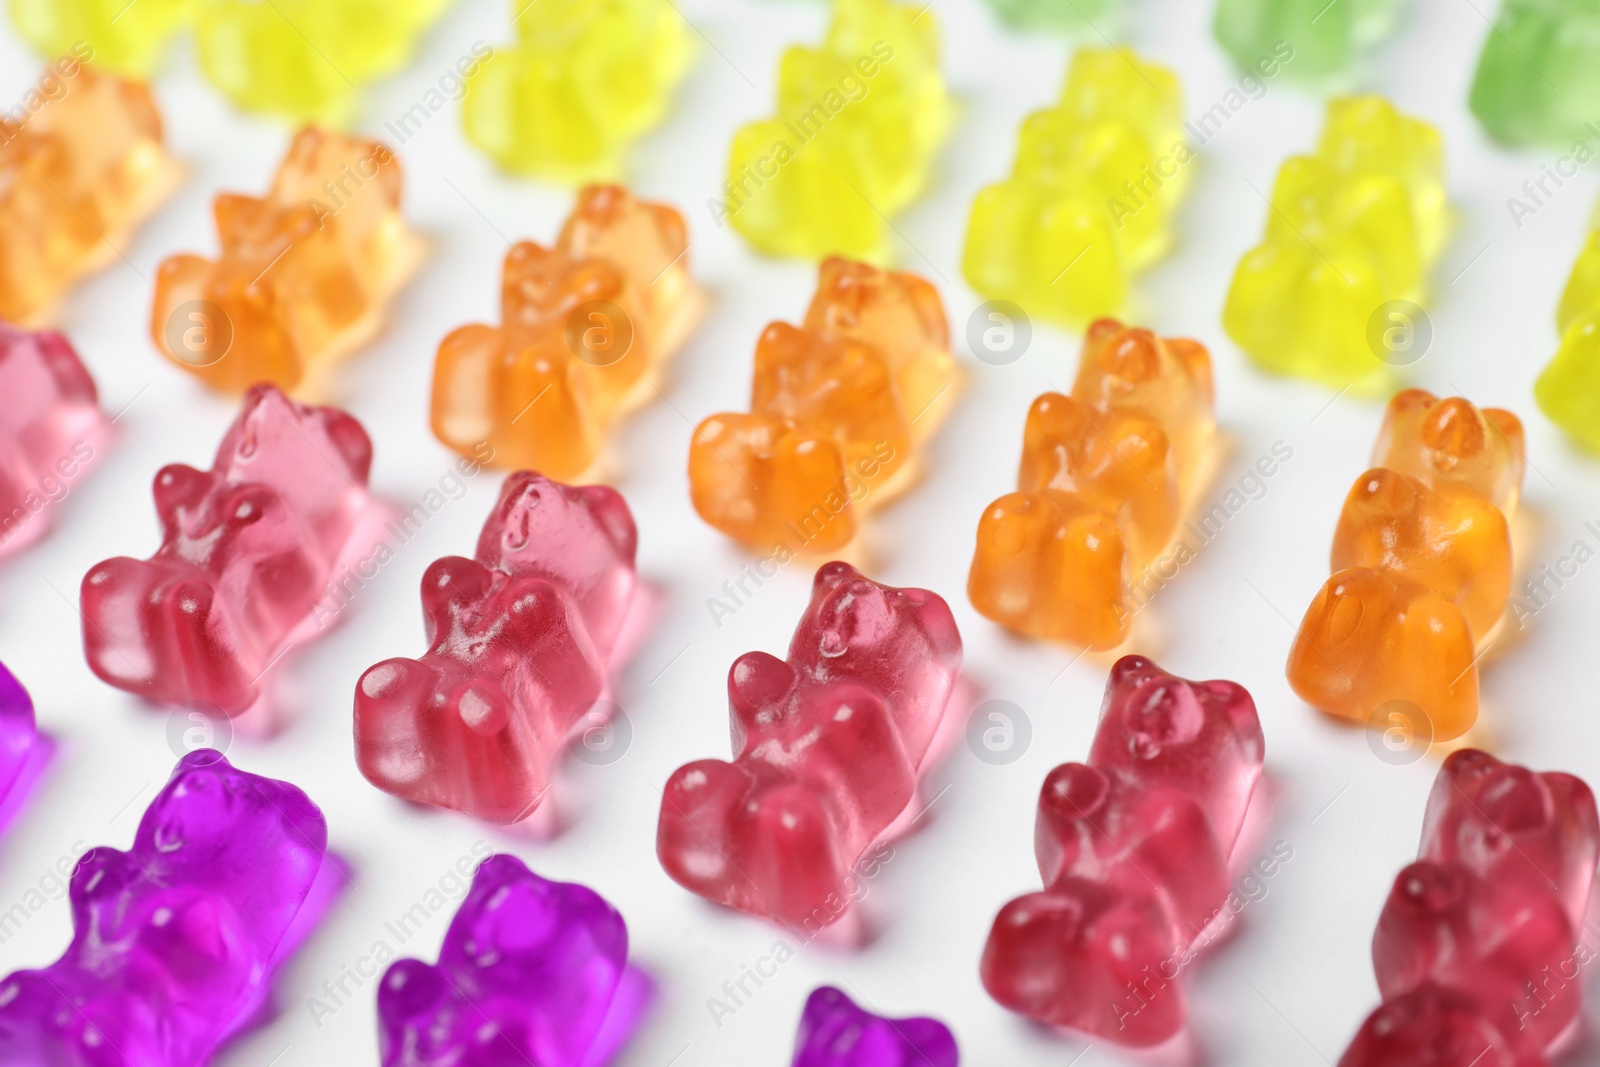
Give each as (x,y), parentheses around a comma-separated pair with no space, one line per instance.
(1294,981)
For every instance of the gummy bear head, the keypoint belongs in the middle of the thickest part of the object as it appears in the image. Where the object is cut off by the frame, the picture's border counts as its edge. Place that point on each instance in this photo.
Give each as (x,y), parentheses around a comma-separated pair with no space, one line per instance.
(1450,444)
(1432,1026)
(292,446)
(541,287)
(895,311)
(1132,368)
(835,1032)
(853,619)
(646,240)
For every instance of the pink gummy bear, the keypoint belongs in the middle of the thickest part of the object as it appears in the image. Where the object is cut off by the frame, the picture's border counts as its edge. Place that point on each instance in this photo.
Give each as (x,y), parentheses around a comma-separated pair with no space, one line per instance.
(51,429)
(1476,951)
(519,640)
(1133,848)
(827,746)
(248,550)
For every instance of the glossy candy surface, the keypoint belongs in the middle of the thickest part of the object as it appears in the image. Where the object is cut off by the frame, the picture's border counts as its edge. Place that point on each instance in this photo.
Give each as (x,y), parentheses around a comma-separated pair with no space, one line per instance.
(176,942)
(1478,942)
(836,1032)
(583,80)
(1568,391)
(1106,476)
(520,641)
(1323,42)
(18,732)
(584,326)
(859,121)
(51,429)
(838,407)
(79,170)
(1352,233)
(827,748)
(303,275)
(1088,204)
(531,972)
(1539,68)
(1422,568)
(250,553)
(1133,847)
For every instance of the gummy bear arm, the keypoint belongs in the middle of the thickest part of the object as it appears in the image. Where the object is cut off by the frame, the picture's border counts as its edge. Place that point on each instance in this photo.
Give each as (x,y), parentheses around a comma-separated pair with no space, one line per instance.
(757,682)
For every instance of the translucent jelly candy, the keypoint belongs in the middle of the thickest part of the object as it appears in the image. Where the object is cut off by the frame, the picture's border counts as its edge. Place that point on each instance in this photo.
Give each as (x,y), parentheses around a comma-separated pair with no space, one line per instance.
(1059,14)
(583,80)
(827,746)
(51,429)
(249,554)
(1133,848)
(176,942)
(1539,66)
(858,124)
(1106,476)
(77,175)
(1422,571)
(303,276)
(18,732)
(530,971)
(1353,230)
(519,642)
(1095,181)
(305,59)
(1326,41)
(837,409)
(582,326)
(835,1032)
(1569,389)
(1477,946)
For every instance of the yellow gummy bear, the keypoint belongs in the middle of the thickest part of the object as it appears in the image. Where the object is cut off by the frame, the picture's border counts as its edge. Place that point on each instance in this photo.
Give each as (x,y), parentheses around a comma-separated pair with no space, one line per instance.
(1094,184)
(859,121)
(305,59)
(121,37)
(584,79)
(1353,229)
(1568,391)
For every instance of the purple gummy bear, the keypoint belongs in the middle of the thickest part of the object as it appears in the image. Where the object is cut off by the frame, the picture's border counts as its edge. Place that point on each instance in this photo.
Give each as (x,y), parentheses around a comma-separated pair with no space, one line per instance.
(531,972)
(17,732)
(176,941)
(835,1032)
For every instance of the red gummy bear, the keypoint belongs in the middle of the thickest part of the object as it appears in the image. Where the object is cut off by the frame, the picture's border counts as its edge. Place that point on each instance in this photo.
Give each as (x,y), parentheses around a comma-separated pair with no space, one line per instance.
(519,639)
(248,551)
(827,746)
(1133,848)
(1476,949)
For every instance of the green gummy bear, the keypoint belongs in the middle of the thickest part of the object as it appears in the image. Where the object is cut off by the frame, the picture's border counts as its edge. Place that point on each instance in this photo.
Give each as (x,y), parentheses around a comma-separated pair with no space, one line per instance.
(1538,77)
(1326,36)
(1059,14)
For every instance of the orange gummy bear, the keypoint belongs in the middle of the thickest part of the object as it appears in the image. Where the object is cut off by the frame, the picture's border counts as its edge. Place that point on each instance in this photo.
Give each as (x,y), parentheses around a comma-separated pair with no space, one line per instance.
(1422,571)
(303,275)
(1105,478)
(581,325)
(77,174)
(838,407)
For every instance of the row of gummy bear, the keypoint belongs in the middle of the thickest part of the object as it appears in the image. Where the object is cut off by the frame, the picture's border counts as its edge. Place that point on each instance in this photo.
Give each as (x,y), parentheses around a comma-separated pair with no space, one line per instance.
(177,942)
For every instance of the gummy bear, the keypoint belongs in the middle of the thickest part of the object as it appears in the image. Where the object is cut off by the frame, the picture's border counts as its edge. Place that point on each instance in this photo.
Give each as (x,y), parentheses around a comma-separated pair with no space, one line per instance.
(836,1032)
(1071,15)
(584,79)
(858,124)
(1539,68)
(79,170)
(1422,571)
(531,971)
(586,322)
(307,59)
(1353,230)
(250,551)
(1476,947)
(303,276)
(18,734)
(519,639)
(1133,847)
(838,407)
(827,747)
(1323,40)
(303,59)
(176,942)
(51,429)
(1568,391)
(1106,476)
(1095,182)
